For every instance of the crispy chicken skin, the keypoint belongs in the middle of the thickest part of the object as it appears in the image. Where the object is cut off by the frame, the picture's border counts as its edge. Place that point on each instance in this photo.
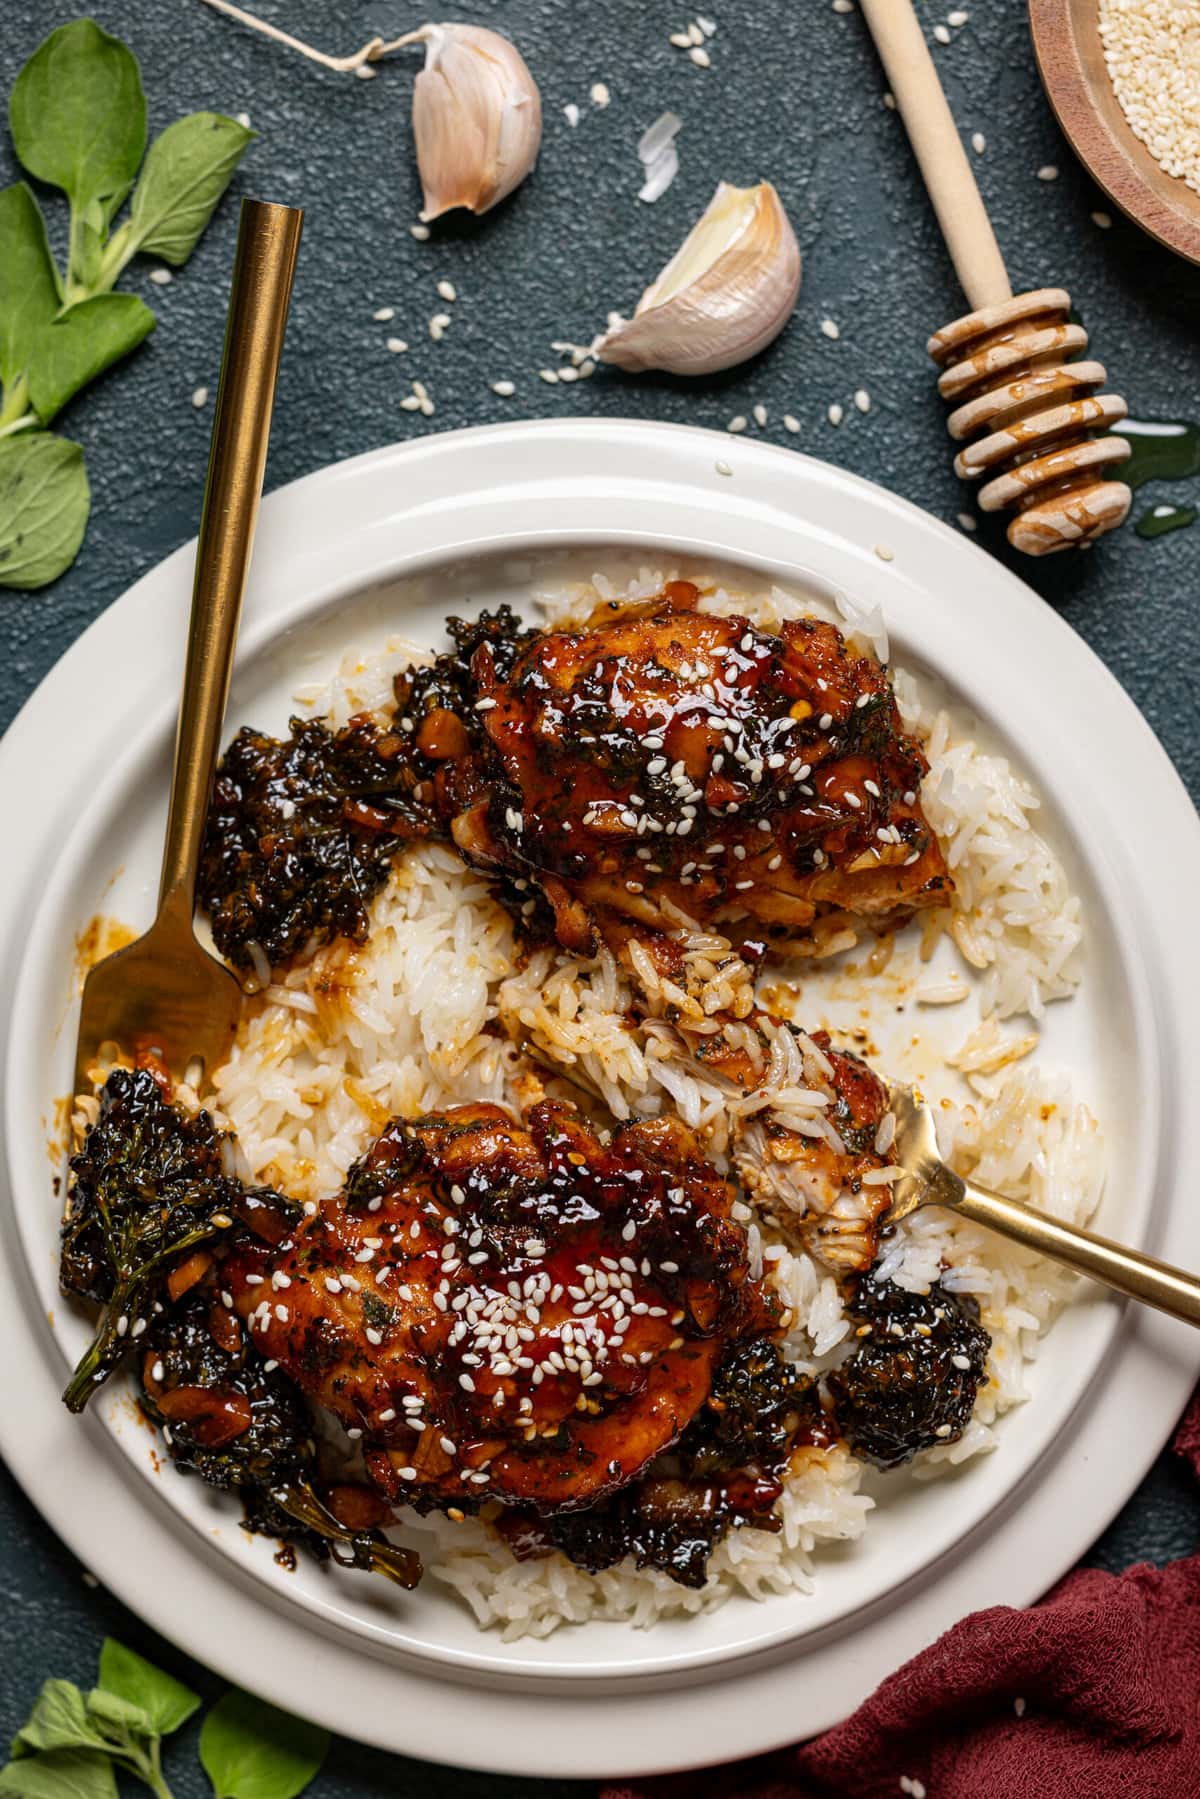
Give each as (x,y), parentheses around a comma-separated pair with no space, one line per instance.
(510,1310)
(661,758)
(671,755)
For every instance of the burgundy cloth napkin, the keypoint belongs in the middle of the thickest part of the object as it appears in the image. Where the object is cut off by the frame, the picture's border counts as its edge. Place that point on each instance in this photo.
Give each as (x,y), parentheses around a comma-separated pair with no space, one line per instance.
(1094,1693)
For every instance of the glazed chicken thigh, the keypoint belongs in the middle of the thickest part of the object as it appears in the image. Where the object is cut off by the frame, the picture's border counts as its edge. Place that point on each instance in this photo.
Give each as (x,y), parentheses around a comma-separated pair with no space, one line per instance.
(510,1311)
(661,760)
(673,757)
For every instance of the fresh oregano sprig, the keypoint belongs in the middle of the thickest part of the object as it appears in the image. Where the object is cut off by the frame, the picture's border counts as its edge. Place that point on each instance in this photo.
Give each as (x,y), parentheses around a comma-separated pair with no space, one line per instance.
(78,119)
(75,1743)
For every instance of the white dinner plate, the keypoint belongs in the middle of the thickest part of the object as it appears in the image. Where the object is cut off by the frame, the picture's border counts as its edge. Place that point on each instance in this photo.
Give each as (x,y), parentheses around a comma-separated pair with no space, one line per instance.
(389,543)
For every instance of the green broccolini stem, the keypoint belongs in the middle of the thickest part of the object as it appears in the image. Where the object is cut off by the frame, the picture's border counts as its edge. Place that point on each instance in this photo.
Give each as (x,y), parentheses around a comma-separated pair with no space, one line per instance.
(300,1502)
(16,406)
(109,1342)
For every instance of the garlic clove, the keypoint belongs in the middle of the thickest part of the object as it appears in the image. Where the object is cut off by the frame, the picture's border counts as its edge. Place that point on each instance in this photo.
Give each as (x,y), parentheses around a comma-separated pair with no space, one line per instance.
(727,292)
(476,116)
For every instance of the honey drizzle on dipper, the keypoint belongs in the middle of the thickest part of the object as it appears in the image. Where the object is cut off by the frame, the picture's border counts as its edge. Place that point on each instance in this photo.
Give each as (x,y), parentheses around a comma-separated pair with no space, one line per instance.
(1028,420)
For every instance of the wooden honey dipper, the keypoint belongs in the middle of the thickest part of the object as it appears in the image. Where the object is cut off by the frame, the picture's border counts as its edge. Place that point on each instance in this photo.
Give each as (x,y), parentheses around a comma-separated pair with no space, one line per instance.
(1027,418)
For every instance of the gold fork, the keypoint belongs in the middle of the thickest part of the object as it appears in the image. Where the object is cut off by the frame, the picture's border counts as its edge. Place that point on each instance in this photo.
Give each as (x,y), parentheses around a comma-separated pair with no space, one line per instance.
(164,992)
(927,1181)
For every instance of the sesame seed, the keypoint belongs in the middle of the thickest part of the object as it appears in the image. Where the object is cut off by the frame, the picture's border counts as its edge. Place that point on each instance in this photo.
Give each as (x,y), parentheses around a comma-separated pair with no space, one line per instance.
(447,290)
(978,142)
(884,554)
(760,414)
(967,521)
(1019,1706)
(736,423)
(722,468)
(382,314)
(957,18)
(941,34)
(1103,220)
(1048,172)
(862,399)
(199,397)
(385,1417)
(161,277)
(599,94)
(396,345)
(419,231)
(830,329)
(699,55)
(835,414)
(790,422)
(943,1430)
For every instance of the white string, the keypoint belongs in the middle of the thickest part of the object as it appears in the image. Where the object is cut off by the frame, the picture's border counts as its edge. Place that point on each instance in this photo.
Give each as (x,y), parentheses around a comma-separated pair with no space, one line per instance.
(343,65)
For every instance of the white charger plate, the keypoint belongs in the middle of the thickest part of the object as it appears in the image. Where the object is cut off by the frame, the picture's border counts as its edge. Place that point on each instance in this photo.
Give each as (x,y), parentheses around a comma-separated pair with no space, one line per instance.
(477,514)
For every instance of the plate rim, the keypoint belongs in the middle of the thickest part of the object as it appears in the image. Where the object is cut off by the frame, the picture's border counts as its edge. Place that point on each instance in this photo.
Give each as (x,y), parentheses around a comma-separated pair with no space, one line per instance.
(593,432)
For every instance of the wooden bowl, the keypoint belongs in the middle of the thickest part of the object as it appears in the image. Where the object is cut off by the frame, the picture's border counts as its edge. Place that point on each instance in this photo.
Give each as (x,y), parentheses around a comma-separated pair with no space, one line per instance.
(1066,41)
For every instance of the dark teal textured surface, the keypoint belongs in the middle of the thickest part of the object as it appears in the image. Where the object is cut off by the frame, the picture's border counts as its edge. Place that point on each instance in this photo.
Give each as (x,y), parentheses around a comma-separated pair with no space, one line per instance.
(793,96)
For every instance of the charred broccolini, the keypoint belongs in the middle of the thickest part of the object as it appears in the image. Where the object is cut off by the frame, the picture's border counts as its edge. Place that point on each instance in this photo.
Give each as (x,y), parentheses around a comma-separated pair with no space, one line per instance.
(915,1372)
(242,1426)
(302,830)
(148,1187)
(152,1209)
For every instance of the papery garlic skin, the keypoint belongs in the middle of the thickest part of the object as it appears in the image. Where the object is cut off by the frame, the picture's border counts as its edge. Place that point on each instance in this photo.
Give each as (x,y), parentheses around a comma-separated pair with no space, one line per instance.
(476,117)
(729,290)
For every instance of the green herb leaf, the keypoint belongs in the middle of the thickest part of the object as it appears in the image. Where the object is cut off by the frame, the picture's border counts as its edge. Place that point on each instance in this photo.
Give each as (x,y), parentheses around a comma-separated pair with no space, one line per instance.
(44,500)
(81,345)
(188,169)
(78,115)
(61,1774)
(251,1750)
(29,296)
(117,1719)
(165,1700)
(58,1719)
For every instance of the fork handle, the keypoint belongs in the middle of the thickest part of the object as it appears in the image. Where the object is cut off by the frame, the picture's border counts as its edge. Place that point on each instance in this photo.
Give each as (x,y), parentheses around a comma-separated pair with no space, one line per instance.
(268,241)
(1141,1277)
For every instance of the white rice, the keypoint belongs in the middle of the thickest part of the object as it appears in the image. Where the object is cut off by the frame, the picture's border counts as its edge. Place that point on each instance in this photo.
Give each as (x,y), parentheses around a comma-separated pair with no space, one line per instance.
(424,1014)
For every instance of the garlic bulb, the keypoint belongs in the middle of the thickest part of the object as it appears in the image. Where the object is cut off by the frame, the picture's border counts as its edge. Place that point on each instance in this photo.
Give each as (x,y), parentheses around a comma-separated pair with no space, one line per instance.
(728,290)
(476,116)
(477,113)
